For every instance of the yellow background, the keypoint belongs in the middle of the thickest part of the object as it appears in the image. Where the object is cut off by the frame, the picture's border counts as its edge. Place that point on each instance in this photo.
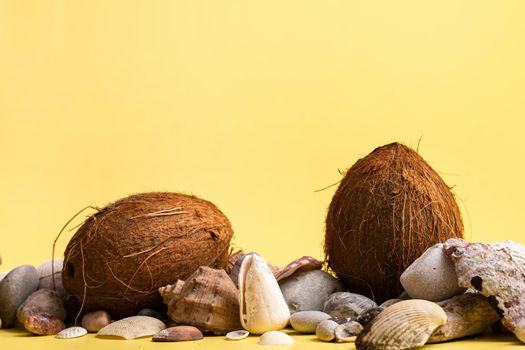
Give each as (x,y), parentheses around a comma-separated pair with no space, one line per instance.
(252,105)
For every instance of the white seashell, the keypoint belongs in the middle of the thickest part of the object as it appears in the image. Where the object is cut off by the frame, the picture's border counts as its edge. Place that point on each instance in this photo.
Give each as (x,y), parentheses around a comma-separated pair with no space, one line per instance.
(275,338)
(71,332)
(347,332)
(237,335)
(405,325)
(262,305)
(133,327)
(46,268)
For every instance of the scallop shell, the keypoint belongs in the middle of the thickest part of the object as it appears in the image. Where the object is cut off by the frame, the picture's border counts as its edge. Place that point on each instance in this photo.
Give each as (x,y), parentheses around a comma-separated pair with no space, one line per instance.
(467,314)
(133,327)
(71,332)
(275,338)
(207,300)
(404,325)
(262,305)
(303,263)
(345,304)
(237,335)
(495,271)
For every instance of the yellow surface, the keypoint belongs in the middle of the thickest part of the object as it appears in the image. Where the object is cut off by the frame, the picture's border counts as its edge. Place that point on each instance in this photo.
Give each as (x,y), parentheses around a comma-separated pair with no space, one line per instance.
(252,105)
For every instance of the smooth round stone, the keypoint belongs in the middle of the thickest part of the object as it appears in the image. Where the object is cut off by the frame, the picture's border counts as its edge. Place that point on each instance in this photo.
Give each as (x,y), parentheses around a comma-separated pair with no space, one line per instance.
(307,321)
(325,330)
(14,289)
(431,276)
(41,301)
(308,290)
(44,324)
(345,304)
(389,302)
(96,320)
(275,338)
(47,267)
(152,313)
(47,283)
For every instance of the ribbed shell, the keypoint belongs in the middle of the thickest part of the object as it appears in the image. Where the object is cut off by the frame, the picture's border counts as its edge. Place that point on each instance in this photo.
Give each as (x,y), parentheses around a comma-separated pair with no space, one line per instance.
(133,327)
(404,325)
(208,300)
(71,332)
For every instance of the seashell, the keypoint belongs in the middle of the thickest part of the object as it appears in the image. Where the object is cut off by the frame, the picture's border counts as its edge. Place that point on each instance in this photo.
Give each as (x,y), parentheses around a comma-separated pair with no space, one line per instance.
(303,263)
(404,325)
(262,305)
(347,332)
(43,324)
(71,332)
(133,327)
(496,271)
(467,314)
(308,290)
(96,320)
(238,335)
(207,300)
(307,321)
(369,315)
(275,338)
(325,330)
(345,304)
(178,333)
(41,301)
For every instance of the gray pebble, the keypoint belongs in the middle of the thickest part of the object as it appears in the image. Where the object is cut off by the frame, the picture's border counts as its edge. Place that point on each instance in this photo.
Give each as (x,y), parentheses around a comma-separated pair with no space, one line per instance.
(345,304)
(47,283)
(307,321)
(431,276)
(14,289)
(47,267)
(325,330)
(308,290)
(389,302)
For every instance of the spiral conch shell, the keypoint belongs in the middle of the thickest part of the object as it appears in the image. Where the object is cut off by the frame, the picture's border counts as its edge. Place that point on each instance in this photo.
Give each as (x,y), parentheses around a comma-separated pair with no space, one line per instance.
(208,300)
(404,325)
(262,305)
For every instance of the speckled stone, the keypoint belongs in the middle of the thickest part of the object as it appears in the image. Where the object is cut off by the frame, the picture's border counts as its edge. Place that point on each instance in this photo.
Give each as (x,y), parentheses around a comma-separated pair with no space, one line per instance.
(308,290)
(14,289)
(307,321)
(431,276)
(345,304)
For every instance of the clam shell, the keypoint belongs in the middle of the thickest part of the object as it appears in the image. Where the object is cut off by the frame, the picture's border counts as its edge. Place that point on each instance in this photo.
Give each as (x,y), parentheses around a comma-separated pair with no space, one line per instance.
(208,300)
(467,314)
(345,304)
(178,333)
(275,338)
(262,305)
(495,271)
(133,327)
(237,335)
(71,332)
(303,263)
(347,332)
(404,325)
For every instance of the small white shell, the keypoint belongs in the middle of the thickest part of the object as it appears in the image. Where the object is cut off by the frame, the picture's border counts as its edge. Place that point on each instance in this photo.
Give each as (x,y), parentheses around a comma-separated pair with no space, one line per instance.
(71,332)
(133,327)
(275,338)
(237,335)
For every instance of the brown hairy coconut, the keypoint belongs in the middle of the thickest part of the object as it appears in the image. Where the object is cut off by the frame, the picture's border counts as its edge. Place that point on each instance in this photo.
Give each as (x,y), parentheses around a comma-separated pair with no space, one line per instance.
(122,254)
(389,208)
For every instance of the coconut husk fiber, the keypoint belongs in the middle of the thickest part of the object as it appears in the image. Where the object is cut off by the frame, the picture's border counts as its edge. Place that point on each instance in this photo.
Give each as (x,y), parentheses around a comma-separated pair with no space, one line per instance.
(388,209)
(122,254)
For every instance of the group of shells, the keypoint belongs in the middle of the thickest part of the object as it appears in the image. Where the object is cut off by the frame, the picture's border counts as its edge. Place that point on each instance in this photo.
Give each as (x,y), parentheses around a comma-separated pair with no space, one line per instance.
(475,287)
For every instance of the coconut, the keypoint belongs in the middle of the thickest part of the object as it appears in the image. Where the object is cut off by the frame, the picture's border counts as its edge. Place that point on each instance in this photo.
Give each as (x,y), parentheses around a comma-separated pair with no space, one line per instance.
(122,254)
(388,209)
